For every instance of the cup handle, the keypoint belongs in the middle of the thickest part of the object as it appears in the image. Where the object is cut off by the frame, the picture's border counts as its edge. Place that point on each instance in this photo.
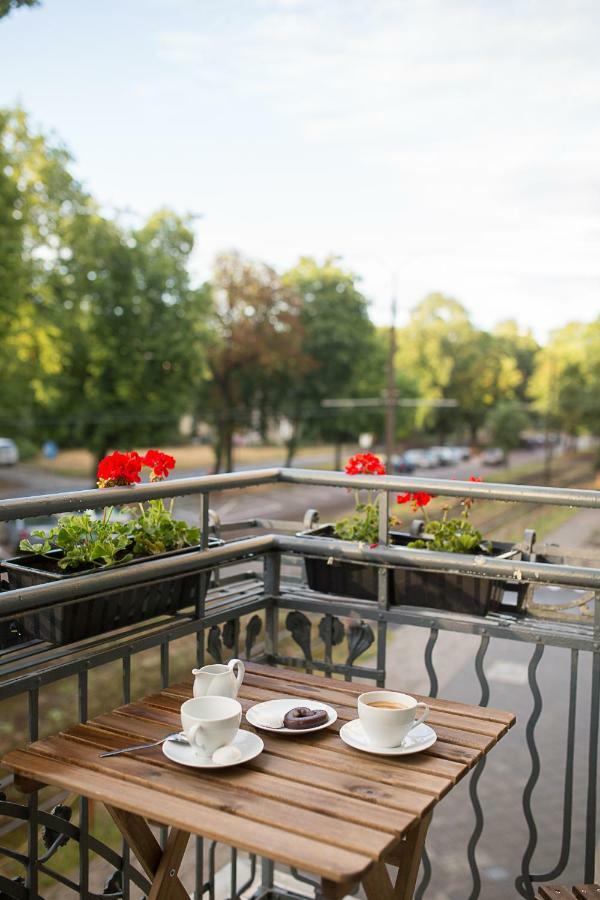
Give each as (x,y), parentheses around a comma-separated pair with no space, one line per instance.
(423,715)
(240,672)
(192,735)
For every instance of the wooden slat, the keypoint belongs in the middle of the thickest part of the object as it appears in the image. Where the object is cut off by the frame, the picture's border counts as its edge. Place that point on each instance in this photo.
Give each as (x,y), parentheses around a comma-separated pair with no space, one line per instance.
(212,793)
(586,891)
(309,854)
(452,735)
(356,688)
(340,781)
(344,703)
(349,711)
(369,767)
(134,719)
(268,784)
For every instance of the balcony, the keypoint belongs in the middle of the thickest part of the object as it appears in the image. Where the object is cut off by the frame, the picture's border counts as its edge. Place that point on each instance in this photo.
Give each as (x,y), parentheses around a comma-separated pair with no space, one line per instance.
(251,599)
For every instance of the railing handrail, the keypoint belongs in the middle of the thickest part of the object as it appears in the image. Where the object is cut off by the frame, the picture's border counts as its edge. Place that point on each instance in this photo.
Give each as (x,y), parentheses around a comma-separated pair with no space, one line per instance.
(94,498)
(27,600)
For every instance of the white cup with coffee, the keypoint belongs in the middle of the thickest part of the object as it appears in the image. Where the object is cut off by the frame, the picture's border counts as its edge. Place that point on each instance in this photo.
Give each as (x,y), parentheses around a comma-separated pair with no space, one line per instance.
(210,722)
(388,716)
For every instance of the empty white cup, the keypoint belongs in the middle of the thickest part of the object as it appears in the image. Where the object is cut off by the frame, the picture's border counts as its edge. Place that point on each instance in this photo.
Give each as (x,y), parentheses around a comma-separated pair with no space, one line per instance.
(210,722)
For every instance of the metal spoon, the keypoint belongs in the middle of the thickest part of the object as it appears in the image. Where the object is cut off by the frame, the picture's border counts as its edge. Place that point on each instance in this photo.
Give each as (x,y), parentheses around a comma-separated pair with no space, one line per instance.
(178,737)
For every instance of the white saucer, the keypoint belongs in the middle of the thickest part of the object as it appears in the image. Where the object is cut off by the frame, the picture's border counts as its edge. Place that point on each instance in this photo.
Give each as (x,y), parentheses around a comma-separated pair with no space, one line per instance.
(420,738)
(248,743)
(282,707)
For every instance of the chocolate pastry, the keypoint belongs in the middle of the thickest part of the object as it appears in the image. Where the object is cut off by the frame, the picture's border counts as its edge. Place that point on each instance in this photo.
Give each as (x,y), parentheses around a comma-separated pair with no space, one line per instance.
(302,717)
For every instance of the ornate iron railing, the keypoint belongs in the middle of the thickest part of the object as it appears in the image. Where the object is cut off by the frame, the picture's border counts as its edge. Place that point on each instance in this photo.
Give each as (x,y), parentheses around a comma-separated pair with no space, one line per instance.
(261,610)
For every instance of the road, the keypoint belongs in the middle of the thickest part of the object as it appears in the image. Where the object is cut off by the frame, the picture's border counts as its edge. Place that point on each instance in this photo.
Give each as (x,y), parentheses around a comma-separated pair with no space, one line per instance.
(287,502)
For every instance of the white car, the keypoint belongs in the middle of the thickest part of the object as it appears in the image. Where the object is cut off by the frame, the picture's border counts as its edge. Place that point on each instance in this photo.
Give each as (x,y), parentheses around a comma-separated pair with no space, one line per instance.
(9,454)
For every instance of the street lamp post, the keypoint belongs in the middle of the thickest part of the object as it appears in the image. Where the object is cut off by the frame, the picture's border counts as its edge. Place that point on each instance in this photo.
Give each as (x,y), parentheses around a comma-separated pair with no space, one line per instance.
(391,398)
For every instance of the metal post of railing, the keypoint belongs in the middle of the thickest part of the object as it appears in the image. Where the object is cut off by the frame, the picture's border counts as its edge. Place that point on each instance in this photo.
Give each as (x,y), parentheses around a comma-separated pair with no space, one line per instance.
(32,849)
(84,818)
(125,870)
(272,582)
(204,519)
(383,580)
(591,818)
(200,606)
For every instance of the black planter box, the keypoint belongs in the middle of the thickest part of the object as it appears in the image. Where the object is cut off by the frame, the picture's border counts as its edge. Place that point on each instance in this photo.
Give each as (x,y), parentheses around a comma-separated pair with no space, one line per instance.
(104,612)
(407,587)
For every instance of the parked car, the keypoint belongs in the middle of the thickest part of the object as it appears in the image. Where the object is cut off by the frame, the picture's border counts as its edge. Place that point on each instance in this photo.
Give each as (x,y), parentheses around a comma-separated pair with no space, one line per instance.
(448,456)
(401,466)
(418,459)
(9,453)
(494,456)
(465,452)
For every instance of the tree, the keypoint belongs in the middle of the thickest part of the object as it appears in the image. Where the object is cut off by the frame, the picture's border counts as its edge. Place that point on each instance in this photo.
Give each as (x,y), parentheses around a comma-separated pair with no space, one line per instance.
(453,360)
(34,187)
(506,423)
(103,338)
(566,383)
(255,346)
(340,342)
(131,357)
(6,6)
(521,345)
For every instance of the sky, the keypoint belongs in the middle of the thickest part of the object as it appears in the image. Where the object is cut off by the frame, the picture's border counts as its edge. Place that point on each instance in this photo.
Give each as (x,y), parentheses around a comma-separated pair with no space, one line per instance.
(435,145)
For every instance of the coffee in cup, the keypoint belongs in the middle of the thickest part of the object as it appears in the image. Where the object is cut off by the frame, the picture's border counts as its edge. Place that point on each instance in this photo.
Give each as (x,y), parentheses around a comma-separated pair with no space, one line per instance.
(388,716)
(210,722)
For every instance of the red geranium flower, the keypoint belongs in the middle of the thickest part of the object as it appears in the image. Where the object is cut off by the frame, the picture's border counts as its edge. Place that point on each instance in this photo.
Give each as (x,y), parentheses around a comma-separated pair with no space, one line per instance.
(418,499)
(364,464)
(160,463)
(475,478)
(119,469)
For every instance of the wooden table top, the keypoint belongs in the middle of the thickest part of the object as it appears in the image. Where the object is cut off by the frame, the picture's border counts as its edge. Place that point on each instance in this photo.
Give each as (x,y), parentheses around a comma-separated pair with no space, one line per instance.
(311,802)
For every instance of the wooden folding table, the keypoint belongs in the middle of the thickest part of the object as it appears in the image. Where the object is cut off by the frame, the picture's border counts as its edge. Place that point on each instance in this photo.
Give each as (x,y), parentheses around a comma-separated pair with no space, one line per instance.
(309,802)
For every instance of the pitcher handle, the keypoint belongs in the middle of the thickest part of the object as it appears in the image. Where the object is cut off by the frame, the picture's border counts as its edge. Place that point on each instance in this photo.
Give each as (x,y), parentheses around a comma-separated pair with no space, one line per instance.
(240,672)
(422,717)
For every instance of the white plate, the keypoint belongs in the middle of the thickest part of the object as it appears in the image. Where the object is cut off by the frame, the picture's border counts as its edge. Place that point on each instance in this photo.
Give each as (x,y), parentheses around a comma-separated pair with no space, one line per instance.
(420,738)
(248,743)
(283,706)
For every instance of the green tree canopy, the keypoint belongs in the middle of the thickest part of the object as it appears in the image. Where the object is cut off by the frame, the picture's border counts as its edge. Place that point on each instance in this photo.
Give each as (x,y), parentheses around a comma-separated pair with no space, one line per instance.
(6,6)
(102,336)
(344,357)
(566,383)
(255,343)
(505,424)
(452,359)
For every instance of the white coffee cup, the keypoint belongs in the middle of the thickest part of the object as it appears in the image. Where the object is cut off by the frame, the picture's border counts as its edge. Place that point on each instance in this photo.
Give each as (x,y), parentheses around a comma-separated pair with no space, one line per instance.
(210,723)
(387,726)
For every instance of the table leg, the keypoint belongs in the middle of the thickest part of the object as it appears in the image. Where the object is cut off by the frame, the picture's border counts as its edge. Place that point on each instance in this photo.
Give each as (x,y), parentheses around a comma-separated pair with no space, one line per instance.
(377,884)
(160,866)
(335,890)
(408,860)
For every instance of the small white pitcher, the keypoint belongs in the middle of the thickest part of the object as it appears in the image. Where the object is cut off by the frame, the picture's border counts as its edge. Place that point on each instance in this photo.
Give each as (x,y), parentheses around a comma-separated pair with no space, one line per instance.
(219,680)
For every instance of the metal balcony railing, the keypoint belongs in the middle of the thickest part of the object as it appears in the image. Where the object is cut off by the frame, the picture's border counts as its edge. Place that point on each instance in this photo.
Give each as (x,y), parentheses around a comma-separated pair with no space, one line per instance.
(258,606)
